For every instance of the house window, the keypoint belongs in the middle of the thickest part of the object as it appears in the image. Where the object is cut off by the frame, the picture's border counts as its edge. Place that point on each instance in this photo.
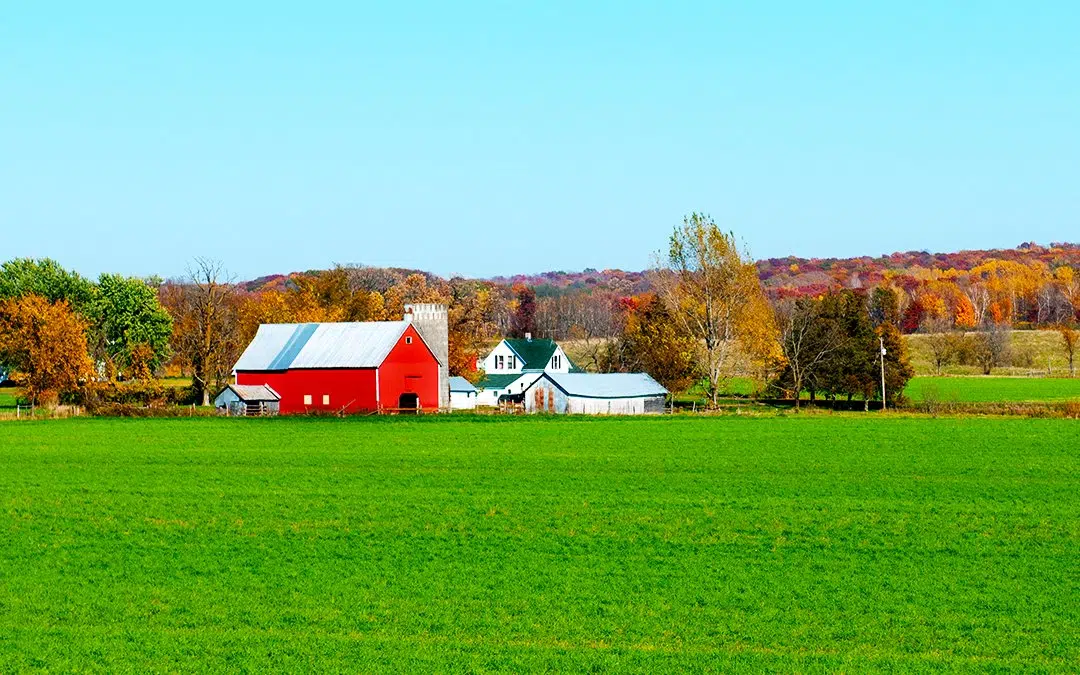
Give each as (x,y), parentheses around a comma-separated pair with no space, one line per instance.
(326,399)
(499,360)
(307,399)
(556,362)
(513,362)
(408,339)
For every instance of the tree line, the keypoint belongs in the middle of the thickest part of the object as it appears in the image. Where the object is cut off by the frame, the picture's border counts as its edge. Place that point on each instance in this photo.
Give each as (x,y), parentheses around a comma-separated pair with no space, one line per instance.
(697,318)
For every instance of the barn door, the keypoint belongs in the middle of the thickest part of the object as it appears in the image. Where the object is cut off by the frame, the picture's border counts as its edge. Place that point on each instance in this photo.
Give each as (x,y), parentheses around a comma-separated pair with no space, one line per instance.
(409,403)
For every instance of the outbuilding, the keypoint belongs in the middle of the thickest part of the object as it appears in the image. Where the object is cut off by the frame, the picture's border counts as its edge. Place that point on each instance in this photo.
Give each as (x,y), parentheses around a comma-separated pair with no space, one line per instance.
(343,367)
(595,394)
(248,400)
(462,394)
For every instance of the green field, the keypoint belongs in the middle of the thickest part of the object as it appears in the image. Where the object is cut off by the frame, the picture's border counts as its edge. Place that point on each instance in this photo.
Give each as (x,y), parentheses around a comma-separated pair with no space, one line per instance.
(828,542)
(8,397)
(983,389)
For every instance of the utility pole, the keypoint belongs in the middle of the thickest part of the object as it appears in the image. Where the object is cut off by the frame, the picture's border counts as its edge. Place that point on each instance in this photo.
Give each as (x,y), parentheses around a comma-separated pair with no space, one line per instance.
(882,341)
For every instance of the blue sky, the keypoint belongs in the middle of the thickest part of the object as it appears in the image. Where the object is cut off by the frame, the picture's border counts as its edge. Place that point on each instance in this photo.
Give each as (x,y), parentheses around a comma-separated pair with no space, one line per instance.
(502,137)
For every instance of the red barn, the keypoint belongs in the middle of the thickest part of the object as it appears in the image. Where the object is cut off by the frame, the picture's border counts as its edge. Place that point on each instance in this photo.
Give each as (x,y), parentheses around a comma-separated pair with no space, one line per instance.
(350,367)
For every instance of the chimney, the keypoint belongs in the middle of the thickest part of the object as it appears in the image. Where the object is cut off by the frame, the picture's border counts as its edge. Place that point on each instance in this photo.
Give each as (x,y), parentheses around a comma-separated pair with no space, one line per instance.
(528,337)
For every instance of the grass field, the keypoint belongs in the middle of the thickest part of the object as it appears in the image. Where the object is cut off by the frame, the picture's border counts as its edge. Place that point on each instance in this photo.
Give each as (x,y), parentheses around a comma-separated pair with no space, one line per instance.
(1038,352)
(8,397)
(983,389)
(828,542)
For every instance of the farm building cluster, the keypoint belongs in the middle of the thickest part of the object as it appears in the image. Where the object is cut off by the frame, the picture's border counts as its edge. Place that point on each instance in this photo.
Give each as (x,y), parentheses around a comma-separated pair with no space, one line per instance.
(401,367)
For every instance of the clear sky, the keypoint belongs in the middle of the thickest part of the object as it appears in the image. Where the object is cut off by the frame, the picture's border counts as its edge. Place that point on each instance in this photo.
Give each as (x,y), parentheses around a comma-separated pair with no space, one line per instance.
(501,137)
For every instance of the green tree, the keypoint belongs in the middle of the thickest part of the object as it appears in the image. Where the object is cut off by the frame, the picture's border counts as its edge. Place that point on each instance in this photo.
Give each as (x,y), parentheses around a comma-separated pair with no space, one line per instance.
(47,279)
(126,315)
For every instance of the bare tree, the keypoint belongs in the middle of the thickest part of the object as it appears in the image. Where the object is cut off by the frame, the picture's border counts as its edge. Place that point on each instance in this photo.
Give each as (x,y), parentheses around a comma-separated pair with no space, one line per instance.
(942,342)
(808,341)
(205,333)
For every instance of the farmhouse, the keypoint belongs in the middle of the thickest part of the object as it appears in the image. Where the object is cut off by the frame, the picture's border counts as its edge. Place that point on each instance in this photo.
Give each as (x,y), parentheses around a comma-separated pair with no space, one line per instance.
(514,364)
(462,394)
(595,394)
(248,400)
(344,367)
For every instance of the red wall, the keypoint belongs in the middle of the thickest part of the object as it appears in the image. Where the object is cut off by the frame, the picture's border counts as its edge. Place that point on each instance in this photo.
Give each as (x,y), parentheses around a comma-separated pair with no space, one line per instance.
(408,368)
(353,389)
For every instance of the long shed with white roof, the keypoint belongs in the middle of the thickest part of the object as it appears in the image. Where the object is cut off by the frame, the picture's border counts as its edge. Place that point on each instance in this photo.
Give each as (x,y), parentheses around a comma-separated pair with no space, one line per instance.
(595,394)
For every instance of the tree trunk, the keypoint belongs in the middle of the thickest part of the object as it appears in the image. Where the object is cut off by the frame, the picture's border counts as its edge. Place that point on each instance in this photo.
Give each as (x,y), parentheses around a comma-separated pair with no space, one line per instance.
(205,396)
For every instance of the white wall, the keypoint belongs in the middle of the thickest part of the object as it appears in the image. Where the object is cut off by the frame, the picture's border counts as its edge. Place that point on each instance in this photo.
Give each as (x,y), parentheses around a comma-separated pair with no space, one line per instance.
(491,396)
(463,400)
(608,406)
(503,350)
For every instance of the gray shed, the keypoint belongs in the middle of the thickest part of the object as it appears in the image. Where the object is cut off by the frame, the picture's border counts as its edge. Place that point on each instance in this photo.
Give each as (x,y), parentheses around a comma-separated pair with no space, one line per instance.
(248,400)
(596,394)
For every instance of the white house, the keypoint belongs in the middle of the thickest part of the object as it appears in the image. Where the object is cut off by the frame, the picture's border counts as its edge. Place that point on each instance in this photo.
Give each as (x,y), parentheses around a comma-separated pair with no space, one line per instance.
(462,394)
(515,363)
(595,394)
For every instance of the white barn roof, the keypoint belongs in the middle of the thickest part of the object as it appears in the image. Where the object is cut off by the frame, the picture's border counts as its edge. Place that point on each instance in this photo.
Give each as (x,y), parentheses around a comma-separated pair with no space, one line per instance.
(607,385)
(283,346)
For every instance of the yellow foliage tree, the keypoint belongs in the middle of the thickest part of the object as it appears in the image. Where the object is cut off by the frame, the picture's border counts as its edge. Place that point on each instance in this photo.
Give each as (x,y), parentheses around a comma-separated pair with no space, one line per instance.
(45,344)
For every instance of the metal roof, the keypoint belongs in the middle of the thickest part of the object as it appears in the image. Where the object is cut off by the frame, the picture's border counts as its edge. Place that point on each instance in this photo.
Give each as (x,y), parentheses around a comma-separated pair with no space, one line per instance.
(461,384)
(607,385)
(254,392)
(283,346)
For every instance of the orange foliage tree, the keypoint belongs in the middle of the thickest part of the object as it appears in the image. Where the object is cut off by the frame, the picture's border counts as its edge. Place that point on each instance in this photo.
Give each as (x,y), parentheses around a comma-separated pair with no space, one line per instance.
(45,343)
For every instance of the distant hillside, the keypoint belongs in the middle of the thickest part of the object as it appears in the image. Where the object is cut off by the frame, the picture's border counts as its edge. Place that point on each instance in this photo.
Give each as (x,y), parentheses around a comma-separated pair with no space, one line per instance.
(815,275)
(790,275)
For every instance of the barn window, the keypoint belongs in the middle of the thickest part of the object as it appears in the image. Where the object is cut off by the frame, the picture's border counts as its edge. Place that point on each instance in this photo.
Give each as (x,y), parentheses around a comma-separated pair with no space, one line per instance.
(307,399)
(326,399)
(408,339)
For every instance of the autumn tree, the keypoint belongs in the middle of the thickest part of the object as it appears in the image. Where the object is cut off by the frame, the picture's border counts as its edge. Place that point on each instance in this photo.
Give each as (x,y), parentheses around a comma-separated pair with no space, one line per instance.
(44,343)
(471,326)
(204,309)
(652,342)
(523,317)
(1070,339)
(713,292)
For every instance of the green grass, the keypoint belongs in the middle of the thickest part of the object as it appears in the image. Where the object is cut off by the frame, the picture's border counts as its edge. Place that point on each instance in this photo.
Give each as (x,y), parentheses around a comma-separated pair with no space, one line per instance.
(8,397)
(994,389)
(810,543)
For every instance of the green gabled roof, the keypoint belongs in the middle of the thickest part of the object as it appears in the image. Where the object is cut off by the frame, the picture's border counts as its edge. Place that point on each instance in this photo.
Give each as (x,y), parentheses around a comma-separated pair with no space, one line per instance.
(536,353)
(498,381)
